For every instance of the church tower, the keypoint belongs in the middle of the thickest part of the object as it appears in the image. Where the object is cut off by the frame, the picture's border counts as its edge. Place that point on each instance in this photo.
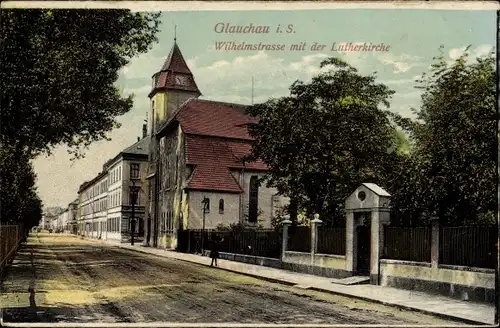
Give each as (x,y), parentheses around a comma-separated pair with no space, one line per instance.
(171,87)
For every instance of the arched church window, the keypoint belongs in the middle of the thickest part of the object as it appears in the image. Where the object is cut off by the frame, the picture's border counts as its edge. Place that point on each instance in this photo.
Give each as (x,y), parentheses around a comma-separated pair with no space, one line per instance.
(253,196)
(221,206)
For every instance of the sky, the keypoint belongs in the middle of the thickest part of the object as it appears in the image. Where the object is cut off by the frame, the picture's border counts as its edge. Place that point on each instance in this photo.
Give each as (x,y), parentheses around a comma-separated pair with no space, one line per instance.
(414,37)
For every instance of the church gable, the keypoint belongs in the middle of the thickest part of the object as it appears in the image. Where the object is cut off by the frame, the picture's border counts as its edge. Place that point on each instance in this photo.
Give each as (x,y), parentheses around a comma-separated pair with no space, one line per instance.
(213,159)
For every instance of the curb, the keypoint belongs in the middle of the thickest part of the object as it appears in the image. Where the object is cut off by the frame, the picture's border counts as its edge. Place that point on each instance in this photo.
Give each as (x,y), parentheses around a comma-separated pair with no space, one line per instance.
(284,282)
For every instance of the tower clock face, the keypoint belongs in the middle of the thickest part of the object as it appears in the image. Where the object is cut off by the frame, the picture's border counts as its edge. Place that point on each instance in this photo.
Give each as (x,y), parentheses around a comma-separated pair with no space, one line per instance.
(181,79)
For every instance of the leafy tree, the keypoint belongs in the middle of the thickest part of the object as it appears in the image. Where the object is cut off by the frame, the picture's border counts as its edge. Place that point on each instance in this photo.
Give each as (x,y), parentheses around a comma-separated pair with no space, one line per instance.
(19,199)
(451,172)
(326,138)
(58,71)
(57,77)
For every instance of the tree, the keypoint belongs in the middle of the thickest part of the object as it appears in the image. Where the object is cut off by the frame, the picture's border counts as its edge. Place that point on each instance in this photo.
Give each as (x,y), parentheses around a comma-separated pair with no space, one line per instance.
(58,71)
(326,138)
(57,77)
(452,170)
(19,201)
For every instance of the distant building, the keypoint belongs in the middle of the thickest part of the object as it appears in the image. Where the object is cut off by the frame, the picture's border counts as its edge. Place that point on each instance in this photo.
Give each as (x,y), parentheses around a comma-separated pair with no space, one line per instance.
(51,217)
(105,206)
(73,216)
(45,224)
(196,153)
(62,223)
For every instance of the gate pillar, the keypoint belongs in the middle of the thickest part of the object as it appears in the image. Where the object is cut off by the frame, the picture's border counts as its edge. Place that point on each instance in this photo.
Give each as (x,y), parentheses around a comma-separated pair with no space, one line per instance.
(367,208)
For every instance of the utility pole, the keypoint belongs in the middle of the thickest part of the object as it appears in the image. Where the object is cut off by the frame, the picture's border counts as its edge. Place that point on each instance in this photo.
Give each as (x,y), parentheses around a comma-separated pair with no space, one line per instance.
(204,202)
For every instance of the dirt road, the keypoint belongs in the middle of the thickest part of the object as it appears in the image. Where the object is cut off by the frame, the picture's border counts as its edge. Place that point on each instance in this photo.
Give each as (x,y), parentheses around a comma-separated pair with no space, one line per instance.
(63,278)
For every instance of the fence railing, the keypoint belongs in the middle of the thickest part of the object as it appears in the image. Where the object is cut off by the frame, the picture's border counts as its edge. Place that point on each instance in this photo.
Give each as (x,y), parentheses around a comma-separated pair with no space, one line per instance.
(331,240)
(10,238)
(264,243)
(407,243)
(299,239)
(472,246)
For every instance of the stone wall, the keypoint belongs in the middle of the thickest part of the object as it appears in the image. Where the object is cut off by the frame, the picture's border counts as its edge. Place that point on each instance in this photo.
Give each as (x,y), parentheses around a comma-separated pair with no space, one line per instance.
(325,265)
(475,284)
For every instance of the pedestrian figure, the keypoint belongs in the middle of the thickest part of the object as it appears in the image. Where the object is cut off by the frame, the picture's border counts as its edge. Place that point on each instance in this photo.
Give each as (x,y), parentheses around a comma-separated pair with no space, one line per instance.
(214,252)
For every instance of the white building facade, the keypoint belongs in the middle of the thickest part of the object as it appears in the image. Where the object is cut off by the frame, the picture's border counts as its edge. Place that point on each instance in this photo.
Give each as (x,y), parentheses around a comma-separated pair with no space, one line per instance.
(105,203)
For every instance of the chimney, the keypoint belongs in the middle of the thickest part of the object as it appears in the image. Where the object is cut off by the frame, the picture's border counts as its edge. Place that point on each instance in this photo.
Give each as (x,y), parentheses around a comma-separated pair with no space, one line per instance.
(138,139)
(144,131)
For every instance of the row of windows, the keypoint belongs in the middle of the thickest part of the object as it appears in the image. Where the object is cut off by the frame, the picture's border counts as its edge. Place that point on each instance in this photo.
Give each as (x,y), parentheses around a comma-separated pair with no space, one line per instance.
(115,198)
(168,221)
(113,225)
(207,205)
(96,190)
(253,202)
(115,175)
(95,206)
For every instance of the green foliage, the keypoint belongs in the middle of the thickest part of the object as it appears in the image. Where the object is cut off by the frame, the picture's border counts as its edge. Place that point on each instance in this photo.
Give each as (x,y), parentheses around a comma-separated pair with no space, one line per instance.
(301,219)
(58,71)
(57,77)
(19,201)
(451,172)
(326,138)
(236,227)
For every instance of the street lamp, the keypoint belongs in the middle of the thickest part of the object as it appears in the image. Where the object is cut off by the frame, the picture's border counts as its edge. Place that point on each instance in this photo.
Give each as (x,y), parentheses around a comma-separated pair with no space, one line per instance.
(205,202)
(134,191)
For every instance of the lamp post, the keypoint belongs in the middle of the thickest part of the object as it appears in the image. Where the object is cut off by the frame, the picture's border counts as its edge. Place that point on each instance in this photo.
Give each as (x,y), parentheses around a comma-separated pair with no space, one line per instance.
(205,203)
(133,194)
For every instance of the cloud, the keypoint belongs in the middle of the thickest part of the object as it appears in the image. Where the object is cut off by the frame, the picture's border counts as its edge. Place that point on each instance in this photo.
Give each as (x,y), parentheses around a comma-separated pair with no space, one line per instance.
(143,66)
(483,50)
(401,63)
(398,82)
(479,51)
(272,74)
(410,95)
(455,53)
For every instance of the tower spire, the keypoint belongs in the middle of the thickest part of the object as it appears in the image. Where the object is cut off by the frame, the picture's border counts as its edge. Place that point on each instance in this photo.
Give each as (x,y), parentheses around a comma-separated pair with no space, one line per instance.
(175,33)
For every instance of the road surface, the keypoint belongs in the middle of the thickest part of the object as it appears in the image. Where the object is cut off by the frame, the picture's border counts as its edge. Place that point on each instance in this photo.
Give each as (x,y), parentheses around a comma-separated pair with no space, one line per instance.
(62,278)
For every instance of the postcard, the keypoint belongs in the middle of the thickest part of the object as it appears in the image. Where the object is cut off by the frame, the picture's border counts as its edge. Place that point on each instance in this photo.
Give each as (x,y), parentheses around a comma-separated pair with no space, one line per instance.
(170,164)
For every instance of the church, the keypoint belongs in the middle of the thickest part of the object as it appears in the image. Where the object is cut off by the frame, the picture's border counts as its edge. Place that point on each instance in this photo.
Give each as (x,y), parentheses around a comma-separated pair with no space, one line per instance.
(196,175)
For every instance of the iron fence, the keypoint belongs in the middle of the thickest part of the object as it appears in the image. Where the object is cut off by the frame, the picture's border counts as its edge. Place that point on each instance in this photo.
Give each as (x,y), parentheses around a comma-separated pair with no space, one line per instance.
(331,240)
(407,243)
(263,243)
(299,239)
(472,246)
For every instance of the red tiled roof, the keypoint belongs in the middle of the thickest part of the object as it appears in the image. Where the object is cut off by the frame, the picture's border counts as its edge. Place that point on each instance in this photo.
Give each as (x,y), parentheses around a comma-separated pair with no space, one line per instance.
(175,61)
(216,119)
(213,178)
(174,66)
(214,158)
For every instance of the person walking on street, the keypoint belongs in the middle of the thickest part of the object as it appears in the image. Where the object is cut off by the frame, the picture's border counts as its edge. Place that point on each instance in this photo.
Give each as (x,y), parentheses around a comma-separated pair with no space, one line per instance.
(214,252)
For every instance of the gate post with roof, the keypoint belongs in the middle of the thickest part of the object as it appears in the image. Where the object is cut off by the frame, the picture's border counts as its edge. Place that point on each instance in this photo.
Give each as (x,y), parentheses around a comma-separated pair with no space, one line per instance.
(367,210)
